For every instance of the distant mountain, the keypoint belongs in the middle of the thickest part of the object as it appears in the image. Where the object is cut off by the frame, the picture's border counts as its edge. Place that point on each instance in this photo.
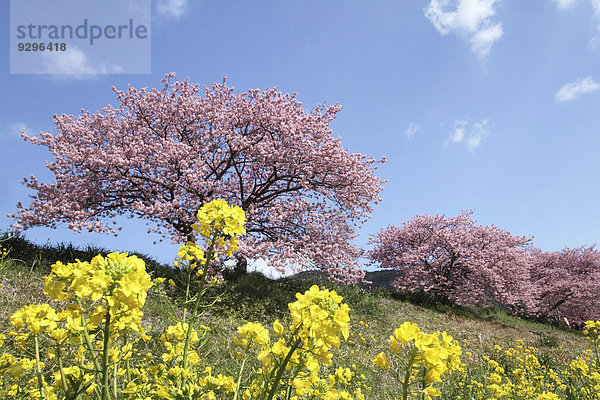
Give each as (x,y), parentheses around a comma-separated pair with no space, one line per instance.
(383,278)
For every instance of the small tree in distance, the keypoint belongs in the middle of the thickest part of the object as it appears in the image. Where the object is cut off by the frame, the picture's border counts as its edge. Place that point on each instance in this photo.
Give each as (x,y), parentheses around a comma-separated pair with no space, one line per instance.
(458,260)
(161,154)
(568,283)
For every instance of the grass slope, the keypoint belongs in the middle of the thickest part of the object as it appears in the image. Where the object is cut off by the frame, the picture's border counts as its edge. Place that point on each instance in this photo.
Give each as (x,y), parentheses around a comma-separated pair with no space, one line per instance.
(253,297)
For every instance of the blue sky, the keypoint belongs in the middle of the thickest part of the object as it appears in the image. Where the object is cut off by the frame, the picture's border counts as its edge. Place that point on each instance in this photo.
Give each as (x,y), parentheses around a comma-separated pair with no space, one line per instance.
(490,105)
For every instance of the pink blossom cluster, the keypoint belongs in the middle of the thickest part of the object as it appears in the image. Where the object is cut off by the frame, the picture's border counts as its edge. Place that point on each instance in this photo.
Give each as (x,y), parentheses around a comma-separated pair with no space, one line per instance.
(161,154)
(457,259)
(470,264)
(568,283)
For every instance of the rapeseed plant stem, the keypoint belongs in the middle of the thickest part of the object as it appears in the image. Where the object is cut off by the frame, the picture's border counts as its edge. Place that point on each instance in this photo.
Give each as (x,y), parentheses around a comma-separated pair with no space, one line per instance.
(279,374)
(239,381)
(198,297)
(187,293)
(597,355)
(114,386)
(106,342)
(62,371)
(87,340)
(405,383)
(38,369)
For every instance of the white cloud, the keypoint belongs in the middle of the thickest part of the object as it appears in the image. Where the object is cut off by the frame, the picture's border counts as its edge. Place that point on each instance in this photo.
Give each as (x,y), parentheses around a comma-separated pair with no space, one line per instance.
(73,63)
(469,18)
(458,134)
(471,135)
(482,41)
(411,130)
(171,8)
(572,90)
(596,7)
(477,134)
(564,4)
(14,130)
(260,265)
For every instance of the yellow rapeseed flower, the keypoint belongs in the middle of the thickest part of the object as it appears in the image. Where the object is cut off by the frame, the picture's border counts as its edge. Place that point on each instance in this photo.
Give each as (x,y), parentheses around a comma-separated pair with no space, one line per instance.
(406,332)
(381,361)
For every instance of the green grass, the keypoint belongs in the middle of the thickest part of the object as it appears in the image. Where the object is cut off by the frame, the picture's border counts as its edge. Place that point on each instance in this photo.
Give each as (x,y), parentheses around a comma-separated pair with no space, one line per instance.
(253,297)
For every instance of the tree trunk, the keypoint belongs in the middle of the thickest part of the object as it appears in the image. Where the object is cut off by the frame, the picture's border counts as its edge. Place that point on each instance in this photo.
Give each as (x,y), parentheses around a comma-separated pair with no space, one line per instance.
(238,270)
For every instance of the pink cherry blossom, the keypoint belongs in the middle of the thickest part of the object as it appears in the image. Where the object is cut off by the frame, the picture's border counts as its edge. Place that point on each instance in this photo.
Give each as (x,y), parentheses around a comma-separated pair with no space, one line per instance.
(458,260)
(161,154)
(568,284)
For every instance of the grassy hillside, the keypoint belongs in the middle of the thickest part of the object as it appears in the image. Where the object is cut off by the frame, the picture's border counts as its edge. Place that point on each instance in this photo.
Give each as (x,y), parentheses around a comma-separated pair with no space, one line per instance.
(375,313)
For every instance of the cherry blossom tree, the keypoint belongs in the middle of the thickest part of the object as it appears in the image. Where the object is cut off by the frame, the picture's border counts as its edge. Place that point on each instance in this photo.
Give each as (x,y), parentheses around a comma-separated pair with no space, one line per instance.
(161,154)
(568,283)
(458,260)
